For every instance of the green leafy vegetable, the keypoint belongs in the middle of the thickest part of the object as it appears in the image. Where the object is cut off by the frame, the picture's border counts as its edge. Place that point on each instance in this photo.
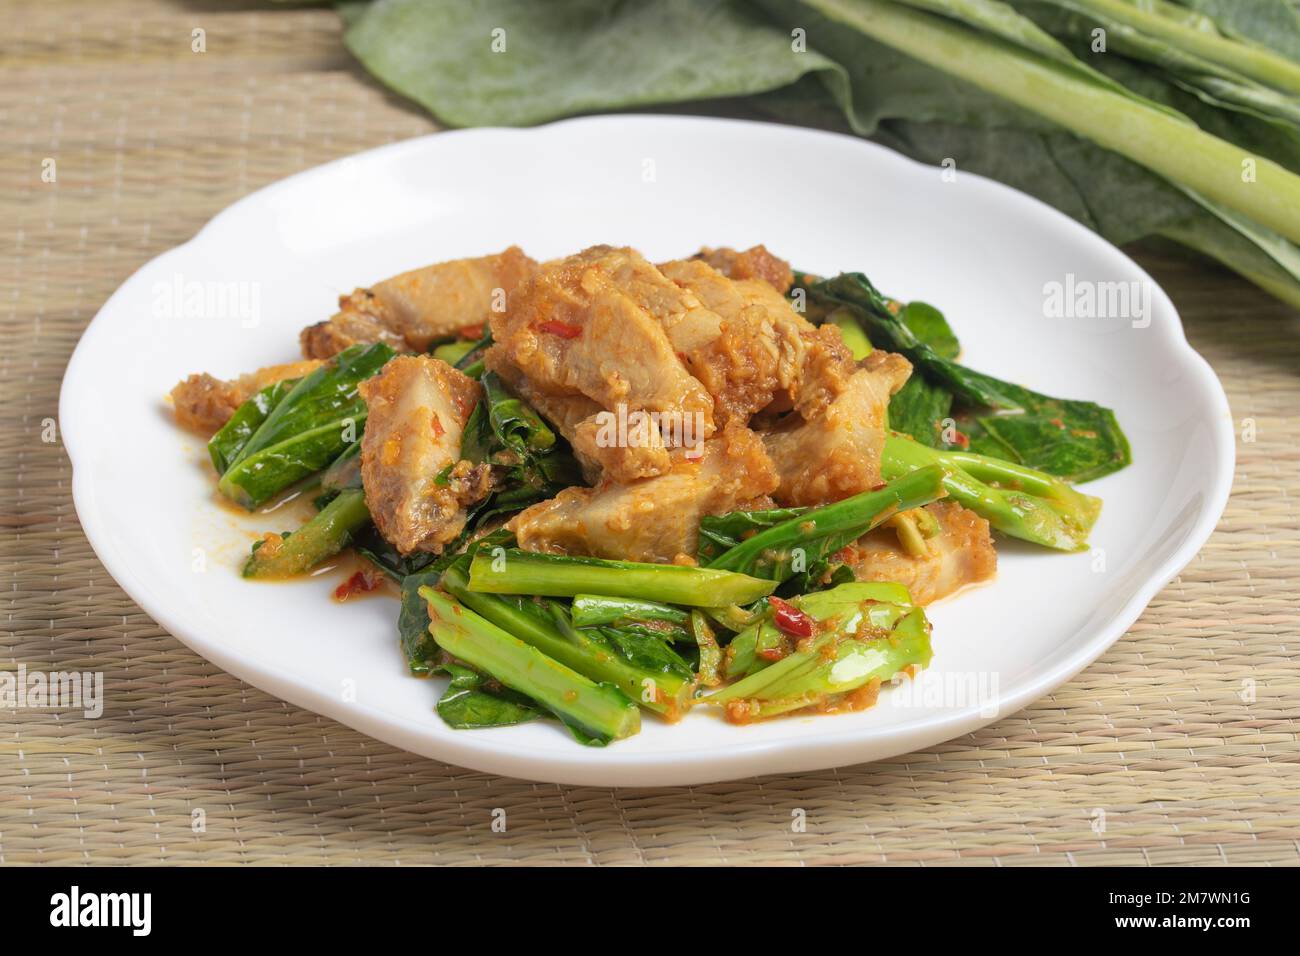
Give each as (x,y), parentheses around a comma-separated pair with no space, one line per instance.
(930,326)
(547,626)
(524,572)
(592,610)
(596,713)
(815,567)
(1063,93)
(471,363)
(743,655)
(498,63)
(530,462)
(306,430)
(648,652)
(721,533)
(1274,24)
(375,548)
(427,571)
(1163,33)
(453,352)
(325,535)
(710,653)
(782,550)
(514,422)
(1026,504)
(422,652)
(469,704)
(920,409)
(1077,440)
(858,643)
(231,438)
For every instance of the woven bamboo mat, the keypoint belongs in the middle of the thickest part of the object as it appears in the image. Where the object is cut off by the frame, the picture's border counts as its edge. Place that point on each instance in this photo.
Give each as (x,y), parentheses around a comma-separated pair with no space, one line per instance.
(189,765)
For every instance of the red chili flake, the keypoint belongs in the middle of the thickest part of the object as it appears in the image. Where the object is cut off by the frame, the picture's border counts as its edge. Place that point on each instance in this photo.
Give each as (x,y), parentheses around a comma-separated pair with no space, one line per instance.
(360,583)
(438,430)
(772,654)
(471,332)
(564,330)
(1057,422)
(790,619)
(963,440)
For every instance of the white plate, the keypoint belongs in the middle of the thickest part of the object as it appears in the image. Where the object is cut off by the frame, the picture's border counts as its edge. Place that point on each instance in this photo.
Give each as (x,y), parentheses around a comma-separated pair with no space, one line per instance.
(666,185)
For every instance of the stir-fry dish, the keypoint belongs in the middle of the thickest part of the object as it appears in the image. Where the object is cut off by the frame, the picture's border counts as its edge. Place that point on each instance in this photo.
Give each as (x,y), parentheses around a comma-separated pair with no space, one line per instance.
(606,486)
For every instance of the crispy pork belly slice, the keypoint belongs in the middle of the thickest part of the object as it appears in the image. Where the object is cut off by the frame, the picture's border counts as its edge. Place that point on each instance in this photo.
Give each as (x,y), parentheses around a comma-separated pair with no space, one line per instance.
(836,452)
(438,300)
(205,403)
(417,411)
(753,351)
(654,519)
(593,325)
(754,263)
(827,365)
(960,554)
(361,319)
(765,355)
(411,310)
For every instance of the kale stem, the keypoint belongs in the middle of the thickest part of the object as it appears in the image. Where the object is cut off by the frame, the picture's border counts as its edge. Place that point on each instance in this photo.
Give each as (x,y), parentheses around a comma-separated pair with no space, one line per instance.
(597,711)
(523,572)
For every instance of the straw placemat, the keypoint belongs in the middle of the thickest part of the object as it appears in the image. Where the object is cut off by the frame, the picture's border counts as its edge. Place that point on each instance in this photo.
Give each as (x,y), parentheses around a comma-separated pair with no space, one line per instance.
(189,765)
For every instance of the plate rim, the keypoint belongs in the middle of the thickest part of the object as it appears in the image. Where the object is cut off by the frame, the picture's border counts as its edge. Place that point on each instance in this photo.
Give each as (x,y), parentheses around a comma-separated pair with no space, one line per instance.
(745,758)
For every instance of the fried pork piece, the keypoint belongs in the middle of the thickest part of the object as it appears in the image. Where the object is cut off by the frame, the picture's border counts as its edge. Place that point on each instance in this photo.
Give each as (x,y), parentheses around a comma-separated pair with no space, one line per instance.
(655,519)
(835,451)
(205,403)
(361,318)
(411,310)
(593,325)
(960,554)
(754,263)
(826,370)
(418,408)
(746,346)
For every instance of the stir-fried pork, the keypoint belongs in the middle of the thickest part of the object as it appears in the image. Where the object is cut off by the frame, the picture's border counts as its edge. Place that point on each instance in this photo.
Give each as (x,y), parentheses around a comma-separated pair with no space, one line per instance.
(835,451)
(361,319)
(205,403)
(746,346)
(418,408)
(754,263)
(960,554)
(654,519)
(593,325)
(411,310)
